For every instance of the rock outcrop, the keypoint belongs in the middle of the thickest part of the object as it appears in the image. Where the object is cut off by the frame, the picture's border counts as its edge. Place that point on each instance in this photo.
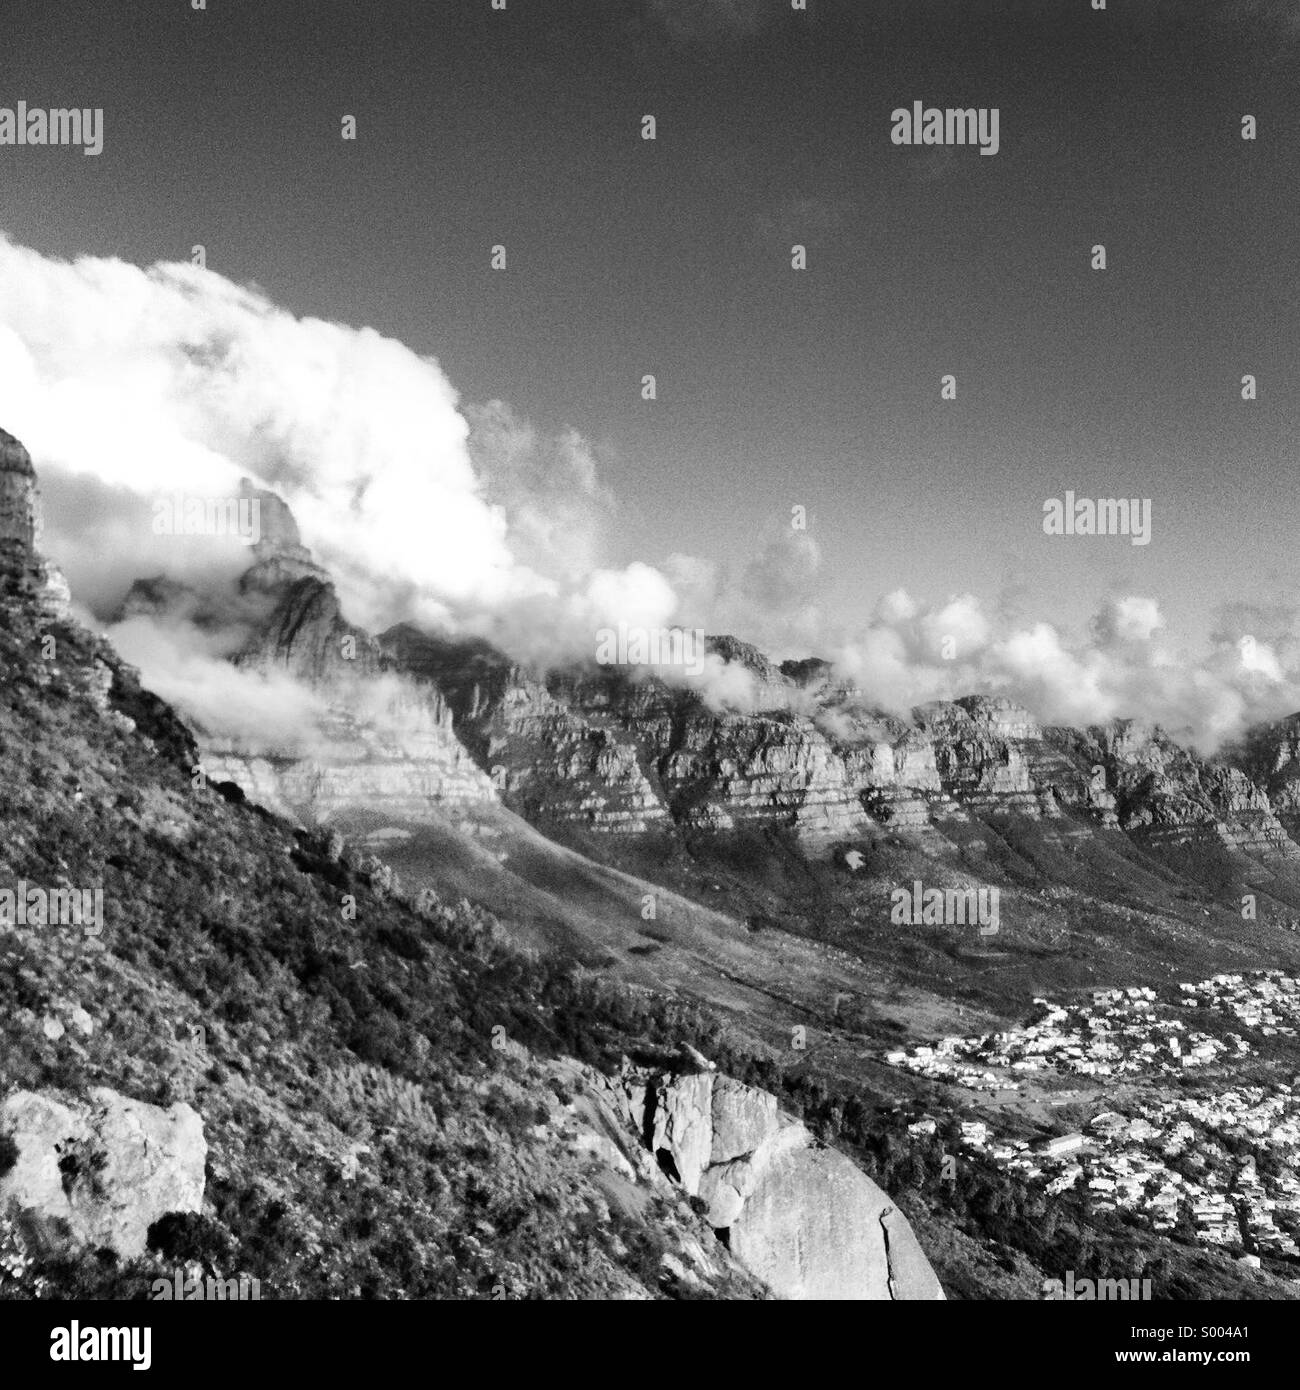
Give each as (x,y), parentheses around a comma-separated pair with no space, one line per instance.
(25,575)
(614,752)
(1270,756)
(101,1171)
(1166,795)
(413,725)
(381,739)
(799,1216)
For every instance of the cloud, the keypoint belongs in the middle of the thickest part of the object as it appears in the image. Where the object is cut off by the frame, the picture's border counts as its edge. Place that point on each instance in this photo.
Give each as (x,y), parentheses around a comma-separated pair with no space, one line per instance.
(555,507)
(770,601)
(129,384)
(1130,619)
(190,670)
(1122,666)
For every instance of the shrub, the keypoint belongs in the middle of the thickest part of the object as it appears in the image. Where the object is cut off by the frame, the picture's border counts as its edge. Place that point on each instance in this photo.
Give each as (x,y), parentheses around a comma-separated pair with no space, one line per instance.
(188,1236)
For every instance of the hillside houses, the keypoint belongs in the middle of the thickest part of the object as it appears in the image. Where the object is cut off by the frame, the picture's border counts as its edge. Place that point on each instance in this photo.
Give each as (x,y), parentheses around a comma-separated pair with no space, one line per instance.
(1191,1161)
(1121,1032)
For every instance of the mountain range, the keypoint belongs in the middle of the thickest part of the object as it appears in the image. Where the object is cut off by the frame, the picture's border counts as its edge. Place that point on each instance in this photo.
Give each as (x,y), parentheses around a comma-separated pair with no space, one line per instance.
(473,933)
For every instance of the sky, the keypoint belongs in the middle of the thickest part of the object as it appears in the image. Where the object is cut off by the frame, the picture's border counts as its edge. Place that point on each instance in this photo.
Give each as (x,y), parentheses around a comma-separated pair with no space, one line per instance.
(776,388)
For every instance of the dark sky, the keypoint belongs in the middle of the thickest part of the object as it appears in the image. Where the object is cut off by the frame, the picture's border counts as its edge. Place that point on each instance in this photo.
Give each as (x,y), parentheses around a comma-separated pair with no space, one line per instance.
(673,257)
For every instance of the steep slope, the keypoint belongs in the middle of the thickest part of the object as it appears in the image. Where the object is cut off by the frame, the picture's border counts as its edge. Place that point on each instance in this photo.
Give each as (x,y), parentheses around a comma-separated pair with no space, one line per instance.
(743,859)
(394,1101)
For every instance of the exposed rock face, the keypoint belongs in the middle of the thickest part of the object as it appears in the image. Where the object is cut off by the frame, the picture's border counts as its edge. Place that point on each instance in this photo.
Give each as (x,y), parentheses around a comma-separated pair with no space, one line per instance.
(727,770)
(381,739)
(798,1215)
(412,725)
(1270,756)
(24,574)
(279,550)
(396,754)
(108,1167)
(602,1122)
(1166,795)
(18,524)
(978,751)
(613,753)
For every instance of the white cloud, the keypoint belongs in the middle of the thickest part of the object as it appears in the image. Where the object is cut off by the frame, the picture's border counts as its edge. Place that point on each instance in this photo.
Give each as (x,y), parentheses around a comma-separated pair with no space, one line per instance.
(135,383)
(127,384)
(1122,667)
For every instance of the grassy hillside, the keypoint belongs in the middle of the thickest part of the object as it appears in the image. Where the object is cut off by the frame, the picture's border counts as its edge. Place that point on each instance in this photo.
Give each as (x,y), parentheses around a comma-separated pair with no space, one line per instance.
(312,1041)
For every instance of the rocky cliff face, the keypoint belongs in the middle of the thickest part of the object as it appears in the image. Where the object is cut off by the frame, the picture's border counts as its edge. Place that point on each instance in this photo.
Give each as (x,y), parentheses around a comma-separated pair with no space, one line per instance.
(25,576)
(602,749)
(605,750)
(1164,794)
(1270,756)
(413,725)
(381,740)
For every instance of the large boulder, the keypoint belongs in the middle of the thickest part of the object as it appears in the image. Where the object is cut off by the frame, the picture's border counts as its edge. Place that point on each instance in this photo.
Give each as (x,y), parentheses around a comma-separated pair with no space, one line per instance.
(107,1168)
(812,1225)
(798,1215)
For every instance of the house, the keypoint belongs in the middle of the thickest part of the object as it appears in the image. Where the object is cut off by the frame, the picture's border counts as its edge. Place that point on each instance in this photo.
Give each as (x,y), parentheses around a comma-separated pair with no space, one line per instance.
(1062,1144)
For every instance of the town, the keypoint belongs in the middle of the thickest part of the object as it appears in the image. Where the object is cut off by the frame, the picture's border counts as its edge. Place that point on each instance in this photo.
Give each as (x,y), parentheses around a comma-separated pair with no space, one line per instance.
(1215,1163)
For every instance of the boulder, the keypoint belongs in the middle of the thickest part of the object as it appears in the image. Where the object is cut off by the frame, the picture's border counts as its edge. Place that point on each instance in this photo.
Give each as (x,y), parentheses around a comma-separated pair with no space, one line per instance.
(798,1215)
(106,1168)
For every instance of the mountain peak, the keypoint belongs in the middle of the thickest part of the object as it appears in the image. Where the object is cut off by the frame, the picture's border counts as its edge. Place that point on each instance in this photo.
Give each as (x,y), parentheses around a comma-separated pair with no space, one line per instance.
(279,555)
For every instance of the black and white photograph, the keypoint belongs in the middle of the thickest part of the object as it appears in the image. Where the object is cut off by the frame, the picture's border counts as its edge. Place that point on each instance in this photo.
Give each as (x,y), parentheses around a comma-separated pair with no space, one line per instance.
(649,652)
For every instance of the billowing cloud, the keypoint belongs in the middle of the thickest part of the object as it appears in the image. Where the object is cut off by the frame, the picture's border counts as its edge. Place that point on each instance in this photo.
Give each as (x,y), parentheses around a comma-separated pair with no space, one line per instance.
(190,670)
(1123,666)
(1129,619)
(131,385)
(770,601)
(548,489)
